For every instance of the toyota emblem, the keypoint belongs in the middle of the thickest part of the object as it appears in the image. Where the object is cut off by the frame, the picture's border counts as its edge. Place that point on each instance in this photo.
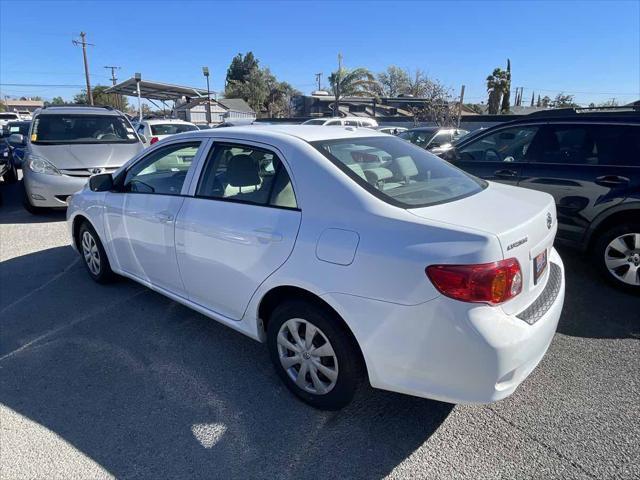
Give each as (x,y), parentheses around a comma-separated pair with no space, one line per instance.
(549,220)
(95,171)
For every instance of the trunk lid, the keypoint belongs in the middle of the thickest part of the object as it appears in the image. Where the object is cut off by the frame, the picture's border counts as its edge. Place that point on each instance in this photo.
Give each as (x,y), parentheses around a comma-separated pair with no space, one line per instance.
(523,220)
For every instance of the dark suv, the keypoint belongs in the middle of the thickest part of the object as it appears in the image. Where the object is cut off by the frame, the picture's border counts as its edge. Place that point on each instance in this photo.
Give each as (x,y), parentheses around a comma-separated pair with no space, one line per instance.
(589,161)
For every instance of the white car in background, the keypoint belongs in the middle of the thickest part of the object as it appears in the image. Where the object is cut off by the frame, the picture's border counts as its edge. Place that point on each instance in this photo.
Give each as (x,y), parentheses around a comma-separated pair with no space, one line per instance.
(6,117)
(342,121)
(353,254)
(155,130)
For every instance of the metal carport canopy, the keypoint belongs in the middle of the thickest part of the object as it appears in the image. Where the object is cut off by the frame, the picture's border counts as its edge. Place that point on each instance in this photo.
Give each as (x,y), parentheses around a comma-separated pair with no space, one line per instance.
(155,90)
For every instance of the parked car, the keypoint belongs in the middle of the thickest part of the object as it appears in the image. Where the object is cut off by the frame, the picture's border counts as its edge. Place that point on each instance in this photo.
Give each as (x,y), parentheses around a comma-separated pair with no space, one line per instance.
(8,171)
(390,130)
(155,130)
(15,150)
(348,121)
(589,162)
(434,139)
(394,267)
(6,117)
(67,145)
(24,115)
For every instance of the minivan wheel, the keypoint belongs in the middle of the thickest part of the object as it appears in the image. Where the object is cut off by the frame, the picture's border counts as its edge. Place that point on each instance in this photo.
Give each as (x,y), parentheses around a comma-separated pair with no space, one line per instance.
(93,255)
(617,254)
(313,354)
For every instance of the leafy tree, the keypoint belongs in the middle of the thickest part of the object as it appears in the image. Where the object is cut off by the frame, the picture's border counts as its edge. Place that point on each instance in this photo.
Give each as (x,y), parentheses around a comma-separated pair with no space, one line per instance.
(3,108)
(241,67)
(100,97)
(562,101)
(474,107)
(609,103)
(506,92)
(545,102)
(496,86)
(55,101)
(393,81)
(357,82)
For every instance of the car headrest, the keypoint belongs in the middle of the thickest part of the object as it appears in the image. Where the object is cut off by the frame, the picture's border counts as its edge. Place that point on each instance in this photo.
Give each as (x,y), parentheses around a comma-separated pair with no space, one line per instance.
(242,171)
(405,166)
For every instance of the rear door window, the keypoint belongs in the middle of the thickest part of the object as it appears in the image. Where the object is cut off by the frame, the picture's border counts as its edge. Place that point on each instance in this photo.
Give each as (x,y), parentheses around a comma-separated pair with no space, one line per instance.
(507,145)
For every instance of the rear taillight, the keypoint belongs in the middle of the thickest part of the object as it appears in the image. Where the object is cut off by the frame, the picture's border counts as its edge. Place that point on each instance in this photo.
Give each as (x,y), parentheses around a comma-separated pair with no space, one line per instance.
(153,140)
(491,283)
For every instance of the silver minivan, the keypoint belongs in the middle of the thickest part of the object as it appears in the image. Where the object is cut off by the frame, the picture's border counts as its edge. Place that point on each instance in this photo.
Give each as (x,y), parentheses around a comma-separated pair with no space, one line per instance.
(68,144)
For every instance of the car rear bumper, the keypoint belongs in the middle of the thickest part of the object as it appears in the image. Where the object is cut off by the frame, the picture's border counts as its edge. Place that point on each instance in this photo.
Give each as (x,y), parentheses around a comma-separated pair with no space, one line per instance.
(51,190)
(449,350)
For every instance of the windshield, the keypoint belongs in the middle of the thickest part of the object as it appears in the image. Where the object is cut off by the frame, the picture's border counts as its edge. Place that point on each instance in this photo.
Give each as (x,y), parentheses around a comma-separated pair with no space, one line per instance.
(171,128)
(15,127)
(314,122)
(61,129)
(420,138)
(398,172)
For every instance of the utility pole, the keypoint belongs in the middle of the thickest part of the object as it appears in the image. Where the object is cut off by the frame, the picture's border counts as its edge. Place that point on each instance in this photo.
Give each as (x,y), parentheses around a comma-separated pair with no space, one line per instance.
(460,107)
(83,42)
(319,79)
(205,72)
(116,97)
(336,111)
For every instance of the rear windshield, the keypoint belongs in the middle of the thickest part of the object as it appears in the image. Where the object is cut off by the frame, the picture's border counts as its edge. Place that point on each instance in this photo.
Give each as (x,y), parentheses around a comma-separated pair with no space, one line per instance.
(61,129)
(171,128)
(398,172)
(8,116)
(15,127)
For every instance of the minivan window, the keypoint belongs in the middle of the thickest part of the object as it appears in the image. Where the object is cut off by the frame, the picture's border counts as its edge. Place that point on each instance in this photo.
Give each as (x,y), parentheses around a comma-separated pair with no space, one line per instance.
(399,172)
(171,128)
(506,145)
(69,128)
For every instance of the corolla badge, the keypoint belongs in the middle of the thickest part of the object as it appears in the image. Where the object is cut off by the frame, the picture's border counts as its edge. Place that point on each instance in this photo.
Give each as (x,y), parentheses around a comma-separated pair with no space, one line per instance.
(549,220)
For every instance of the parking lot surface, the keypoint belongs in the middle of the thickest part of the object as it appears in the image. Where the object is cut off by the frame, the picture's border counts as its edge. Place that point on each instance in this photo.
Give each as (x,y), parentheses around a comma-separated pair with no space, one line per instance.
(119,381)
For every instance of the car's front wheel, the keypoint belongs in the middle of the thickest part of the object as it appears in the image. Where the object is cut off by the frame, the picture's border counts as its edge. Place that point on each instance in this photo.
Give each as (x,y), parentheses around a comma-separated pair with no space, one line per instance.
(617,254)
(93,254)
(313,354)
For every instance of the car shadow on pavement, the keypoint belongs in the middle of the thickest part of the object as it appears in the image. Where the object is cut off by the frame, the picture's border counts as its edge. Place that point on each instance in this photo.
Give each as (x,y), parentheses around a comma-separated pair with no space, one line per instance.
(12,210)
(592,307)
(148,388)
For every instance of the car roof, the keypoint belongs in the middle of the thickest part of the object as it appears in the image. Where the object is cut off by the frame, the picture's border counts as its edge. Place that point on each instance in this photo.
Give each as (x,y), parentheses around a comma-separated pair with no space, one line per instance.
(157,121)
(308,133)
(78,110)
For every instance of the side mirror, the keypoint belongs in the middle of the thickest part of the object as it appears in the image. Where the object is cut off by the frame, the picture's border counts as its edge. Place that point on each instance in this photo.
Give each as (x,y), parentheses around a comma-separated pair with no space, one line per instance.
(101,183)
(17,139)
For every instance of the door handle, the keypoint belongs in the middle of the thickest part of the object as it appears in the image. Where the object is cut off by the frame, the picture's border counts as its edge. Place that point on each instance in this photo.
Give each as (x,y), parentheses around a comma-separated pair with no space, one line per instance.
(267,235)
(505,173)
(164,217)
(612,180)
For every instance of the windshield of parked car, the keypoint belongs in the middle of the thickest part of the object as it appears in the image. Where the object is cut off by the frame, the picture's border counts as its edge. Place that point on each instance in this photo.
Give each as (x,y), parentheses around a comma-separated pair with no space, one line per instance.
(420,138)
(70,128)
(15,127)
(399,172)
(171,128)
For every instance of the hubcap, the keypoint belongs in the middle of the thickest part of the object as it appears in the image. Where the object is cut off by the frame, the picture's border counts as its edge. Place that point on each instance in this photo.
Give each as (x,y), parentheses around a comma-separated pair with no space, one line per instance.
(307,356)
(91,253)
(622,257)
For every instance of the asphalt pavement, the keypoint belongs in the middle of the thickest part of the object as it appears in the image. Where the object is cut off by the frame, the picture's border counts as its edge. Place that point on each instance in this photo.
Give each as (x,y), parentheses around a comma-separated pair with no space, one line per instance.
(120,382)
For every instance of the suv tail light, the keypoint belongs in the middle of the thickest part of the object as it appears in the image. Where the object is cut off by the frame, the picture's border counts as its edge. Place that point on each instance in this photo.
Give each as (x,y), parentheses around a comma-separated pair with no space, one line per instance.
(153,140)
(491,283)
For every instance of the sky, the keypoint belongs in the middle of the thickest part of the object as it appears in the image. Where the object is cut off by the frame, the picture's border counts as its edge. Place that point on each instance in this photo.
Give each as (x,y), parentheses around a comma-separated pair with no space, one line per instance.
(589,49)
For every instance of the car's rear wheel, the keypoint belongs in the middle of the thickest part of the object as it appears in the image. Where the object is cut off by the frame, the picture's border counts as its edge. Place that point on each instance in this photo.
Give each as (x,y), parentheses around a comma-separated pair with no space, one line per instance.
(617,253)
(93,254)
(313,354)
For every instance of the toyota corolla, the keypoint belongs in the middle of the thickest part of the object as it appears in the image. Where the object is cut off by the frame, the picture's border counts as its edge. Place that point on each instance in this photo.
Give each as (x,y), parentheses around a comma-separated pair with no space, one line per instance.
(354,255)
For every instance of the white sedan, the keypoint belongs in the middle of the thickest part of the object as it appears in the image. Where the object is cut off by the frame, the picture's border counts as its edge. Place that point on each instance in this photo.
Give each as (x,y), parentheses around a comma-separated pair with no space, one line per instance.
(353,254)
(155,130)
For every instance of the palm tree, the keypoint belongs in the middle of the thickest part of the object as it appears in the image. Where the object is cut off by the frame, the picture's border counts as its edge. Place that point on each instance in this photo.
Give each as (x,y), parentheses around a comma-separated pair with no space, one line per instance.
(358,82)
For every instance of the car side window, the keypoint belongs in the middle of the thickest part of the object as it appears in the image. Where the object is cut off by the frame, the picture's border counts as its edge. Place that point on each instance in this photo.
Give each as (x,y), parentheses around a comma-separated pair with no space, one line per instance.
(440,139)
(334,122)
(568,144)
(507,145)
(246,174)
(352,123)
(162,172)
(617,145)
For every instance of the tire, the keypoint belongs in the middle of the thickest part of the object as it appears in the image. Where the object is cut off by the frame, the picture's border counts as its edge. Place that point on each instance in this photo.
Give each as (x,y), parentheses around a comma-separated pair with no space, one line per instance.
(33,210)
(616,253)
(337,370)
(11,175)
(93,255)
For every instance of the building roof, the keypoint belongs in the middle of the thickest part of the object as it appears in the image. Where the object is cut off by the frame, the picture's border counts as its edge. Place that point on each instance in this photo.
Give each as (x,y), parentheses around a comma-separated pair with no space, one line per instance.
(236,104)
(156,90)
(23,103)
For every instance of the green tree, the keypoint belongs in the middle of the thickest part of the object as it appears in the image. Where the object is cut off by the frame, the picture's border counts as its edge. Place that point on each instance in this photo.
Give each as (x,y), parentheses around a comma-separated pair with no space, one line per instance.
(393,82)
(100,97)
(545,102)
(357,82)
(241,67)
(496,86)
(55,101)
(562,101)
(506,92)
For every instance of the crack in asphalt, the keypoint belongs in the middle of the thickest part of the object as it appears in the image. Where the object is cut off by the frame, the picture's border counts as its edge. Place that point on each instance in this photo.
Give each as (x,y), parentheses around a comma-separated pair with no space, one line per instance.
(541,443)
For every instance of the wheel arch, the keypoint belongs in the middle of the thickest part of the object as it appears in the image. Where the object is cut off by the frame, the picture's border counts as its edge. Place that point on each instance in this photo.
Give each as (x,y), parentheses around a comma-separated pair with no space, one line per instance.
(276,295)
(606,220)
